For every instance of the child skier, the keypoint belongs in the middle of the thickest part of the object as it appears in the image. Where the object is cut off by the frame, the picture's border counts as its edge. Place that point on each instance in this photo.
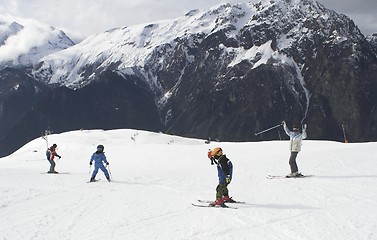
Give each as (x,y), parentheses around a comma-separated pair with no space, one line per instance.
(50,154)
(224,172)
(99,158)
(295,147)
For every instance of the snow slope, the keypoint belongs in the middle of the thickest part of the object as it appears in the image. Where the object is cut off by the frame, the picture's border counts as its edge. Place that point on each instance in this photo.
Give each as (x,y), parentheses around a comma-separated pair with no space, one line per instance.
(157,176)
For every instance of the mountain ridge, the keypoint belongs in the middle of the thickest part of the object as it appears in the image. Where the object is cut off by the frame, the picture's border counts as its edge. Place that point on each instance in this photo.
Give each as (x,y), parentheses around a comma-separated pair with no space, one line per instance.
(224,73)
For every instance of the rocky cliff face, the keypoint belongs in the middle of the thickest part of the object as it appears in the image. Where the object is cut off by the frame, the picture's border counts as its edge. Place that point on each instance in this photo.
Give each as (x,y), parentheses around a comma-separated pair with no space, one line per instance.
(18,95)
(295,60)
(225,73)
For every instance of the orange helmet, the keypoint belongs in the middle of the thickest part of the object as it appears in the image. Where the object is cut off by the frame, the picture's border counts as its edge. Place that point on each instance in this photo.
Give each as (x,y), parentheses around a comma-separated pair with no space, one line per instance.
(217,152)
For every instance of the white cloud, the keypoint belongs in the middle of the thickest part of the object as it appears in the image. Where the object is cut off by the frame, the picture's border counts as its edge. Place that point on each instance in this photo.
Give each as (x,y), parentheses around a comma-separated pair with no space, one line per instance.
(23,40)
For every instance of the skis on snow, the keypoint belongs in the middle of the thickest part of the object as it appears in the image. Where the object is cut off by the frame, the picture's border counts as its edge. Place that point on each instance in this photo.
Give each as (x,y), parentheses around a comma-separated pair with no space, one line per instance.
(95,180)
(55,173)
(280,176)
(210,206)
(206,203)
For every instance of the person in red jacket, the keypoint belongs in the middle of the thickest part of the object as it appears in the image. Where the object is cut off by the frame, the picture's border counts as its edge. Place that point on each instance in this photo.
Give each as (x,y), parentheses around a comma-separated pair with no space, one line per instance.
(51,153)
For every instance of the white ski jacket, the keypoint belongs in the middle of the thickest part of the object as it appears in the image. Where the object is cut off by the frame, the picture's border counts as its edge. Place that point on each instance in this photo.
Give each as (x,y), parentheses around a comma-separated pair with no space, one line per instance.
(295,139)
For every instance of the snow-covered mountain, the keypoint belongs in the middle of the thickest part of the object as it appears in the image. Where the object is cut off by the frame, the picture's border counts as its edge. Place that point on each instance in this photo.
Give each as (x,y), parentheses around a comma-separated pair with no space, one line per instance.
(156,177)
(23,42)
(224,45)
(270,30)
(225,72)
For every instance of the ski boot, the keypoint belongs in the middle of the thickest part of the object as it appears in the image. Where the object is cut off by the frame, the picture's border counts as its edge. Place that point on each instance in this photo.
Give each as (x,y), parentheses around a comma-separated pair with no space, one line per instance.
(218,202)
(228,199)
(294,175)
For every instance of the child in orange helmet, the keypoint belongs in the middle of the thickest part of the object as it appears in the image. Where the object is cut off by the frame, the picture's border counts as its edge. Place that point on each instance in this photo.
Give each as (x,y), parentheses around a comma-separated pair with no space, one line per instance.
(224,172)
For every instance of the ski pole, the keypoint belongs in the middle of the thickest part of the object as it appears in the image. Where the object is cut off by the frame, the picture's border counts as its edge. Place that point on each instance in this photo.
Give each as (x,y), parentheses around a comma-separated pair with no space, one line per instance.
(90,169)
(344,134)
(111,176)
(256,134)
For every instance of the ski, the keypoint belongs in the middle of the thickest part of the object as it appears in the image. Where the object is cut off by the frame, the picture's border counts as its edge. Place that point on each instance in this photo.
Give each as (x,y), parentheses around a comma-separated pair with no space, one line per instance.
(208,201)
(279,176)
(210,206)
(95,180)
(55,173)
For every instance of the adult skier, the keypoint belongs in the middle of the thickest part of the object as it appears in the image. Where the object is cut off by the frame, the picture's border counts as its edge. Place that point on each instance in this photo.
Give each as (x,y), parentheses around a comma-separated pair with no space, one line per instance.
(224,172)
(99,159)
(295,147)
(50,154)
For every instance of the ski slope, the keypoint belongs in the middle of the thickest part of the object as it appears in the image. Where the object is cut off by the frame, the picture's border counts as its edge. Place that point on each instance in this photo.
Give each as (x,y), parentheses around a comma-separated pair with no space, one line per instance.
(156,177)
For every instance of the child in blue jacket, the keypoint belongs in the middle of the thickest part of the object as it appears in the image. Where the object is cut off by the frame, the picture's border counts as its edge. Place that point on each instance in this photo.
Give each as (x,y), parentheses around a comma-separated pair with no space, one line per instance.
(99,158)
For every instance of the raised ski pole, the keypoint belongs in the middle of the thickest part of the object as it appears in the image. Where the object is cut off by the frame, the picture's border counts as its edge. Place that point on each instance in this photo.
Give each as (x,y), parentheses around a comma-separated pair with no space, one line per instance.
(269,129)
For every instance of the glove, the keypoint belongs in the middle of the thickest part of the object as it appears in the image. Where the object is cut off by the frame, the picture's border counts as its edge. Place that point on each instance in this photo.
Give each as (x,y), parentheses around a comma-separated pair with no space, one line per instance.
(209,154)
(107,164)
(227,179)
(90,163)
(283,122)
(304,127)
(60,157)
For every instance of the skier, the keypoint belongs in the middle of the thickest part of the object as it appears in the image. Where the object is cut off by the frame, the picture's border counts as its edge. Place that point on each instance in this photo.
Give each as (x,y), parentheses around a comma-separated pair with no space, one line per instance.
(295,147)
(50,154)
(99,158)
(224,172)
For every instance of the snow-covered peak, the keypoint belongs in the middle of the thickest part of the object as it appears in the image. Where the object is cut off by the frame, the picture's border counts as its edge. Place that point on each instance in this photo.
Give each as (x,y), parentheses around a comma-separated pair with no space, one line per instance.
(129,49)
(372,38)
(282,15)
(25,41)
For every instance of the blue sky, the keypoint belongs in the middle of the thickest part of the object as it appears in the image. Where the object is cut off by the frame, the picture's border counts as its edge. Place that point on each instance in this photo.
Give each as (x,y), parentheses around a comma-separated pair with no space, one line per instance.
(84,17)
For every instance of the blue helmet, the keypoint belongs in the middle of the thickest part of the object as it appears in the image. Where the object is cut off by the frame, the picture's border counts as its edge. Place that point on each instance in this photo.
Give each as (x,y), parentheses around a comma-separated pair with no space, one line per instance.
(100,148)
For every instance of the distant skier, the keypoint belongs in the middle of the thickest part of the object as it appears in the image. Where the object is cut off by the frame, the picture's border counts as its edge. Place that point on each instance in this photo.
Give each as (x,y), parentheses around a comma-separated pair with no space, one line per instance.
(224,172)
(99,158)
(50,154)
(295,147)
